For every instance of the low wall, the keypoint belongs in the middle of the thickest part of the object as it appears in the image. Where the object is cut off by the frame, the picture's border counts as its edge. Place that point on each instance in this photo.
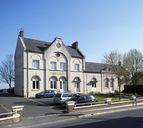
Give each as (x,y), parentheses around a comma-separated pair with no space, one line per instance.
(10,117)
(94,106)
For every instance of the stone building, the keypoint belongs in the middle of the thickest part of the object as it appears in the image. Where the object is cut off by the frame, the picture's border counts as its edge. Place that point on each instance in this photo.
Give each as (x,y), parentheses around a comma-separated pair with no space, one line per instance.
(41,65)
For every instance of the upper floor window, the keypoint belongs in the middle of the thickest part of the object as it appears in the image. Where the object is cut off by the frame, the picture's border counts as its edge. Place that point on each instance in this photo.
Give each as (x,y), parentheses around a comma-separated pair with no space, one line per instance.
(35,64)
(63,66)
(53,65)
(76,67)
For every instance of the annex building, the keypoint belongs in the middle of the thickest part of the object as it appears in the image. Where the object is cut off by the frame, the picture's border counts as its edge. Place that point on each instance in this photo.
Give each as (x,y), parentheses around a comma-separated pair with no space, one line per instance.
(41,65)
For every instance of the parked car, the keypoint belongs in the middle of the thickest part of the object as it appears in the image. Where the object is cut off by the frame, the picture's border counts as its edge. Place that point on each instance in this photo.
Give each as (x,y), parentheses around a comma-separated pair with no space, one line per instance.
(47,93)
(59,98)
(82,98)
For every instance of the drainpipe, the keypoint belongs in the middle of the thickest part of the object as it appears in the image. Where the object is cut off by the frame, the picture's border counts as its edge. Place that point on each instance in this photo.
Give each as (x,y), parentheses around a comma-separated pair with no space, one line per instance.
(27,77)
(101,80)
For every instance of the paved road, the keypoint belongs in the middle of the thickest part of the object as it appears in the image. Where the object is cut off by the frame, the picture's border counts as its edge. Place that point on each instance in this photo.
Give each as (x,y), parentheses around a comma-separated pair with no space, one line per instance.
(32,107)
(126,119)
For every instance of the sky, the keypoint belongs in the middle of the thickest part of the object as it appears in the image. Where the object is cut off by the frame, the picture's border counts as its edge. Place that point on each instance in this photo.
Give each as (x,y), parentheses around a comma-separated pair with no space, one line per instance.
(99,26)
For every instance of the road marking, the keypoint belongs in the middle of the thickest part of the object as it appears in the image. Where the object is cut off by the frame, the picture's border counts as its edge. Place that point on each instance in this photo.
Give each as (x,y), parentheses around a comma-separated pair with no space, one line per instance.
(41,103)
(5,108)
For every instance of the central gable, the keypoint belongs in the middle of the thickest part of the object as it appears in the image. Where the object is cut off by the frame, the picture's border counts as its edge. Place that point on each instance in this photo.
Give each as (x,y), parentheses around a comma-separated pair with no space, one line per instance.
(57,46)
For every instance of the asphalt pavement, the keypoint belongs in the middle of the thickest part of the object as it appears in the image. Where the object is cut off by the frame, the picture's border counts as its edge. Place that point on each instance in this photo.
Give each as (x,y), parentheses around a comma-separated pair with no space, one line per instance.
(42,112)
(32,107)
(120,119)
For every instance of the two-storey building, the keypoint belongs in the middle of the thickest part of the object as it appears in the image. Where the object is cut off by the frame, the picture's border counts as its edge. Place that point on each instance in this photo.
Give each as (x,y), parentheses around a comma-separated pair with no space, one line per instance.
(41,65)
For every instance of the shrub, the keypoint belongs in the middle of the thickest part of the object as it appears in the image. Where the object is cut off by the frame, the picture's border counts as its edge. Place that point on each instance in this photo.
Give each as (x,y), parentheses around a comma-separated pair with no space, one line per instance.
(133,89)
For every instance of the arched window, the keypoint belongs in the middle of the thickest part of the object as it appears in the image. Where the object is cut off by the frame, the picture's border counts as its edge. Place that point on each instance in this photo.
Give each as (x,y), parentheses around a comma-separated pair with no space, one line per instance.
(35,82)
(107,83)
(53,83)
(93,82)
(112,83)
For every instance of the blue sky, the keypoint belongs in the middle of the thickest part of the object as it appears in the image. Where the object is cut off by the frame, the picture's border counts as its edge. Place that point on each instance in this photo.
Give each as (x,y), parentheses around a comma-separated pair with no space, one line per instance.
(98,25)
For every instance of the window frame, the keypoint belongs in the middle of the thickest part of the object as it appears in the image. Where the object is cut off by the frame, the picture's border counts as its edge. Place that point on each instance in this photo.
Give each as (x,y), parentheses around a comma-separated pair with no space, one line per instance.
(53,65)
(62,66)
(36,64)
(77,67)
(35,84)
(107,83)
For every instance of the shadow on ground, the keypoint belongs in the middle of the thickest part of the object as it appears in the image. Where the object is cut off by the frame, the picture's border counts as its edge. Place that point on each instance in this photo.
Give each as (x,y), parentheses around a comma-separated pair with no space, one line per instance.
(128,122)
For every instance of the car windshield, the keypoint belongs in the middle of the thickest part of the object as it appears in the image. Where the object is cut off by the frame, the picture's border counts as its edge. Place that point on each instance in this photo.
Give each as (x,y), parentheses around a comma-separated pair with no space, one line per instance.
(58,95)
(75,98)
(67,95)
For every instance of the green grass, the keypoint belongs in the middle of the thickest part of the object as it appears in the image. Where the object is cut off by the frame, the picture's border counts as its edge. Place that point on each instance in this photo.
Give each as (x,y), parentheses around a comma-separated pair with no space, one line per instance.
(101,98)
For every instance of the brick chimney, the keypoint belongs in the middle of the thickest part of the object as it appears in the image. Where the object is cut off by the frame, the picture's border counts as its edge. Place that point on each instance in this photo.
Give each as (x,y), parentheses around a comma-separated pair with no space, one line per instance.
(21,33)
(75,45)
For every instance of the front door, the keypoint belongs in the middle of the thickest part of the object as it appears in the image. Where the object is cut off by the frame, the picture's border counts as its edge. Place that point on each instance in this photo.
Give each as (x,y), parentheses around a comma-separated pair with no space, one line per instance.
(77,87)
(63,86)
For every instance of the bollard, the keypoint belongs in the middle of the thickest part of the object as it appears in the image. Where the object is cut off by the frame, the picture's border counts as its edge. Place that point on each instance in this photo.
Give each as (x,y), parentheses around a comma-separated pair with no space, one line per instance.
(70,106)
(18,109)
(108,100)
(134,100)
(16,117)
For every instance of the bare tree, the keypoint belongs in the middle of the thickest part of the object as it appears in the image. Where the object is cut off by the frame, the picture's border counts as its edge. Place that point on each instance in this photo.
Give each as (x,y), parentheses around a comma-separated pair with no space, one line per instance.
(7,70)
(114,60)
(133,62)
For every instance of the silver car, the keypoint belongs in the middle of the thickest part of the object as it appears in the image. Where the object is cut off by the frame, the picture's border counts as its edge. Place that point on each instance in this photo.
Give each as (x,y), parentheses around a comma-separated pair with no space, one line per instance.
(60,98)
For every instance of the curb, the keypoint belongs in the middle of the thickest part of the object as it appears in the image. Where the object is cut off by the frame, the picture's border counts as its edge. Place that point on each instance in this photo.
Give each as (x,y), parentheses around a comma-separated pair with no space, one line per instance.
(119,110)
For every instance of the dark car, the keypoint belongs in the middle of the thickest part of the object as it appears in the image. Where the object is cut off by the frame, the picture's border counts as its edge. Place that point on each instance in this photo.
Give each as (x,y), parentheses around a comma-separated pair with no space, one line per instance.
(82,98)
(46,94)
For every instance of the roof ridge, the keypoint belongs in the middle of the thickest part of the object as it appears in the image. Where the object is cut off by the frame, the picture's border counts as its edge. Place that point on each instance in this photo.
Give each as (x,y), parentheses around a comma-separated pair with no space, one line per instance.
(95,63)
(40,41)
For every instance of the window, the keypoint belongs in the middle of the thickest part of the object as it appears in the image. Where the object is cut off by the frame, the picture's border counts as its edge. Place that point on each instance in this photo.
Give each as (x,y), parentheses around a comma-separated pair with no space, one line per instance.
(53,83)
(61,84)
(63,66)
(106,82)
(94,85)
(35,82)
(53,65)
(93,82)
(112,83)
(35,64)
(76,67)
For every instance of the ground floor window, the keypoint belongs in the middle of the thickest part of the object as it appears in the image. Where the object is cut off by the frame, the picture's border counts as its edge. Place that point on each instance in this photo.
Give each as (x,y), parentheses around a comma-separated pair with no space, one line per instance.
(107,83)
(112,84)
(93,82)
(53,83)
(35,82)
(94,85)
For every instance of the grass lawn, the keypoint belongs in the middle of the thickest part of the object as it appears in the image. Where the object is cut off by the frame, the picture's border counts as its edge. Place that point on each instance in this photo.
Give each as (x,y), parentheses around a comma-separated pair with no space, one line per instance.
(101,98)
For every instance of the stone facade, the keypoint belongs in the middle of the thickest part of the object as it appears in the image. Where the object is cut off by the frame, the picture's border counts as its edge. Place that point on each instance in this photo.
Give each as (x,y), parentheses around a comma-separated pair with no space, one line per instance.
(41,65)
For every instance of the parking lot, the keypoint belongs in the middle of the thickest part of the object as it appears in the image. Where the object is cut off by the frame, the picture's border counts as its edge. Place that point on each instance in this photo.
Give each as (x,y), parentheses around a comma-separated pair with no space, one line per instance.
(32,107)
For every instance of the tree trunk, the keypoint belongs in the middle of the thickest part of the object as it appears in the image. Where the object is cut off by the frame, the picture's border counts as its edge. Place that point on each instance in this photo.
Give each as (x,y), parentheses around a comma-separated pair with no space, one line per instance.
(119,85)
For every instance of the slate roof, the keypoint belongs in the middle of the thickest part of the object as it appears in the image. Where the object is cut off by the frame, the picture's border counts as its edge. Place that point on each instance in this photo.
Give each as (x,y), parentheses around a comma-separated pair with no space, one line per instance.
(33,45)
(74,52)
(94,67)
